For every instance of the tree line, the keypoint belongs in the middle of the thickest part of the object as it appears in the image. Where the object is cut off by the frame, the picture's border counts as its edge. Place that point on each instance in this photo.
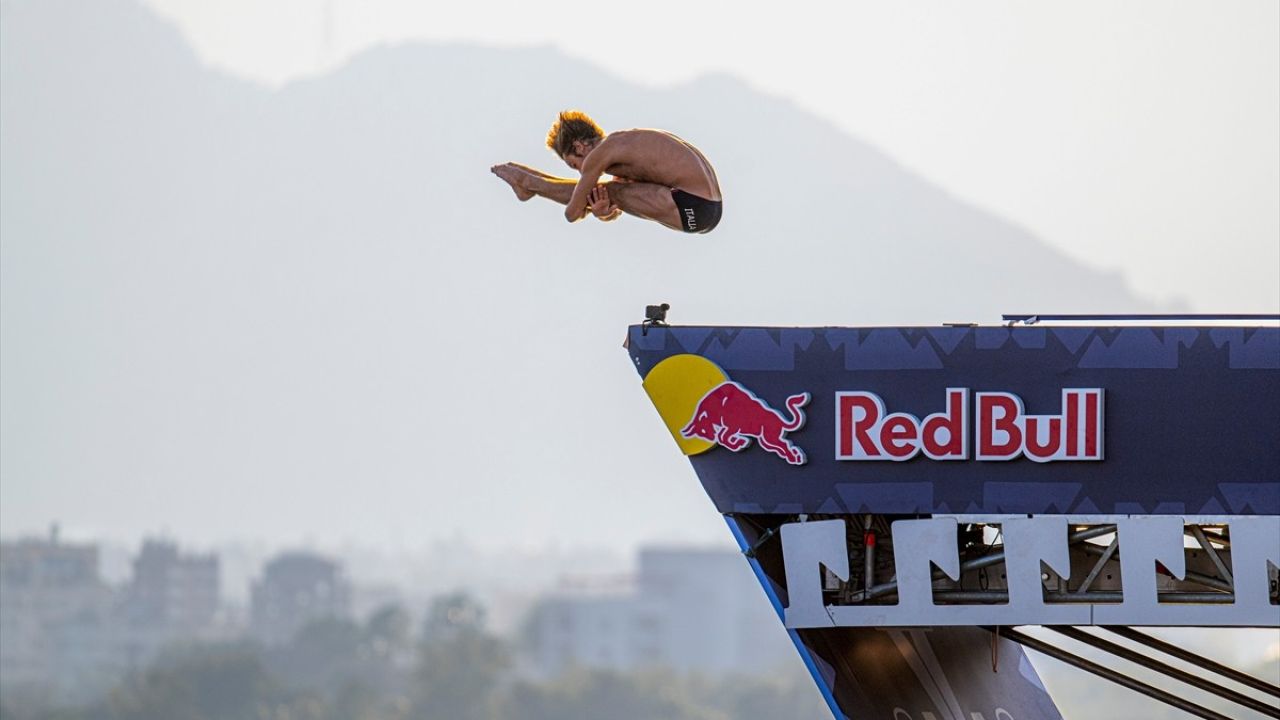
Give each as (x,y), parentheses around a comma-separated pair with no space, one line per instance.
(453,668)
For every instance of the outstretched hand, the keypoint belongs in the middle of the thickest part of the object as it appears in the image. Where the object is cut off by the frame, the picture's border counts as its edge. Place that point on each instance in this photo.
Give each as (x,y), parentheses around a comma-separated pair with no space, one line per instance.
(601,206)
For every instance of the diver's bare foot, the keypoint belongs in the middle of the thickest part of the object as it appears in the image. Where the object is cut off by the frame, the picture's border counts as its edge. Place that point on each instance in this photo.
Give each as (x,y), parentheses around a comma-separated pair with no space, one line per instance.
(515,177)
(533,171)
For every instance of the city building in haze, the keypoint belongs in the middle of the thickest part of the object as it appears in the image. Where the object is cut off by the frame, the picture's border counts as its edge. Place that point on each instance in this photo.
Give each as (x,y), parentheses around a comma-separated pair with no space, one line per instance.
(67,636)
(297,588)
(56,632)
(171,597)
(686,609)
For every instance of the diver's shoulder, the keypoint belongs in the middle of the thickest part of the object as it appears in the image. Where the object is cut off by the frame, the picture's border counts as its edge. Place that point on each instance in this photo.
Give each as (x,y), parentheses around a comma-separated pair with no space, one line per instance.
(642,134)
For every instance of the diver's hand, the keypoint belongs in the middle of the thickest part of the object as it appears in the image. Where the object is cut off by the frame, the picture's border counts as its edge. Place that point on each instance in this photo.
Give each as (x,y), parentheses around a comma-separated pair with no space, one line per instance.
(601,206)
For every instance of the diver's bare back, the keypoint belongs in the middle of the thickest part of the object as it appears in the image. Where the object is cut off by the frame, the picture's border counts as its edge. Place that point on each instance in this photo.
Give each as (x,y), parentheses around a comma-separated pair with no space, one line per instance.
(655,156)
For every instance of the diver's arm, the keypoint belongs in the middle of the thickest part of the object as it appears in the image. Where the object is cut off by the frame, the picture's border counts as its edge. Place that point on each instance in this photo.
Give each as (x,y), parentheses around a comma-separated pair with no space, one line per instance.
(592,168)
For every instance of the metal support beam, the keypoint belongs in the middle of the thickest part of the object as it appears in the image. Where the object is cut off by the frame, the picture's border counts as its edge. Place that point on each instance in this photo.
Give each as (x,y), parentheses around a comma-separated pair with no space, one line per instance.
(1151,664)
(1097,567)
(992,559)
(1188,656)
(1212,553)
(764,537)
(1219,538)
(1109,674)
(869,555)
(1161,317)
(1097,596)
(1189,576)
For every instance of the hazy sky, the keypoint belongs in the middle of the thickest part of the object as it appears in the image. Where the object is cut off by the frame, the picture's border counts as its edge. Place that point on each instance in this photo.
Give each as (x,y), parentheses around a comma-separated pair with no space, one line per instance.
(1141,138)
(1137,136)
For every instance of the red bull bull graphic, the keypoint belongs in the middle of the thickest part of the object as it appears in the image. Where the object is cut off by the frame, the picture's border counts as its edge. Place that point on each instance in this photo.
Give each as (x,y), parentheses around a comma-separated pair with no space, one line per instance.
(732,416)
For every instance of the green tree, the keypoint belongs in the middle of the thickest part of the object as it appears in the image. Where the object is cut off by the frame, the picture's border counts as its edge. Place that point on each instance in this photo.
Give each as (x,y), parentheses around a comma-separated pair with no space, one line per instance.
(460,664)
(785,695)
(320,656)
(359,670)
(387,647)
(587,695)
(208,683)
(390,629)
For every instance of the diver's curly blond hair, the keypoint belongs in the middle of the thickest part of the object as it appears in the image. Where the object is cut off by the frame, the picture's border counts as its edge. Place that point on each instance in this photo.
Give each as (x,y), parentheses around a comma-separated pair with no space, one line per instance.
(571,126)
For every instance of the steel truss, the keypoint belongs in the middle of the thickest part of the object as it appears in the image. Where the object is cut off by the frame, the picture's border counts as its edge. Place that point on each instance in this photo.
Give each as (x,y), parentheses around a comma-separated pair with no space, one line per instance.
(1063,573)
(1093,577)
(1202,682)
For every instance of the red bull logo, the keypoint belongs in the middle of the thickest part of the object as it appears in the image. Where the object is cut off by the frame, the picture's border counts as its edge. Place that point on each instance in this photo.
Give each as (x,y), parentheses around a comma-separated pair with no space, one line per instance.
(732,416)
(865,430)
(1006,430)
(703,409)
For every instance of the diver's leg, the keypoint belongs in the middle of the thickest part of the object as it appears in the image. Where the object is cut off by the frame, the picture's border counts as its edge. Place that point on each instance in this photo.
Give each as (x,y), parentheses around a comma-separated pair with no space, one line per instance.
(646,200)
(527,183)
(535,171)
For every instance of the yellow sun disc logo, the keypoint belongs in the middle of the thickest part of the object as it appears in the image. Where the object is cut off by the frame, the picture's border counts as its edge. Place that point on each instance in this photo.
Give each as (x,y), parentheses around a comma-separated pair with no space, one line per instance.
(675,386)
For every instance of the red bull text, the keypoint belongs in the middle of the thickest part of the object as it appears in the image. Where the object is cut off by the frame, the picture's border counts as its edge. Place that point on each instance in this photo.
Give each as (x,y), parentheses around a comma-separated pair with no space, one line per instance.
(1004,430)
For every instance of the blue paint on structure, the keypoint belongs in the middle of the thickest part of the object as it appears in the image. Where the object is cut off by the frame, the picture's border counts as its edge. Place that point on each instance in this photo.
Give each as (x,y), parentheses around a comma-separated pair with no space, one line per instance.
(824,680)
(1187,412)
(1248,350)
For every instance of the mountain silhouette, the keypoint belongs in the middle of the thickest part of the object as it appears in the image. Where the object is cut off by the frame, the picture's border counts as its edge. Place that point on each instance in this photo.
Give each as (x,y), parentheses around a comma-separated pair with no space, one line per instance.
(314,310)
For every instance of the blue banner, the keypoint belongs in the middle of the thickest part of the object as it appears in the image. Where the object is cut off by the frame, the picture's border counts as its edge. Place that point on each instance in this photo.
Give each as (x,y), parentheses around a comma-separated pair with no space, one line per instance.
(975,420)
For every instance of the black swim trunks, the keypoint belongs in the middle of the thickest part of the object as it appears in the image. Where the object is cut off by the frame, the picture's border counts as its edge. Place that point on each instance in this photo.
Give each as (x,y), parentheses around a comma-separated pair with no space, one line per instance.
(697,215)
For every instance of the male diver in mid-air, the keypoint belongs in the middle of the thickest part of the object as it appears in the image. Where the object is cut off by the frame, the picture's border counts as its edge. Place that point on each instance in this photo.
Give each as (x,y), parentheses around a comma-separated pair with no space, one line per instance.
(656,176)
